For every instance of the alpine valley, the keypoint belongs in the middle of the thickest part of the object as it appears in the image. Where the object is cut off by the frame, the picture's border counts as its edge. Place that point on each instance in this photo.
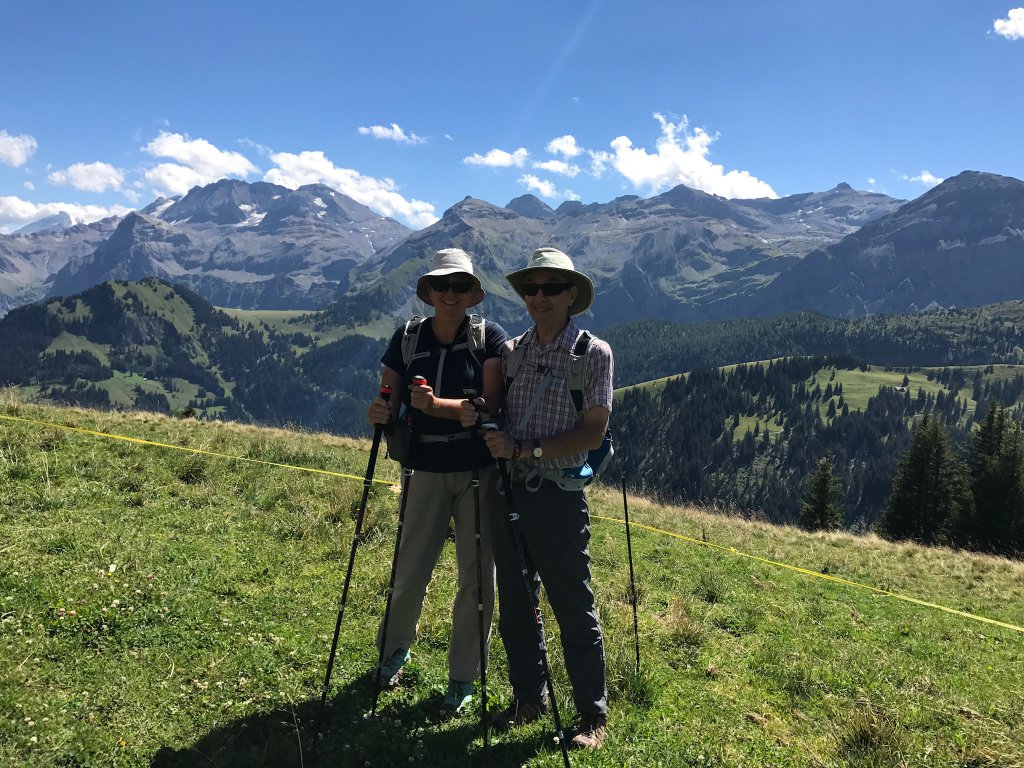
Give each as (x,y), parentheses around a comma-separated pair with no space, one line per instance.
(260,303)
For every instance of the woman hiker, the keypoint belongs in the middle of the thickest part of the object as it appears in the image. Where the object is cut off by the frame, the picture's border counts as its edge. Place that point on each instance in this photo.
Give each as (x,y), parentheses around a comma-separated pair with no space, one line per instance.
(453,351)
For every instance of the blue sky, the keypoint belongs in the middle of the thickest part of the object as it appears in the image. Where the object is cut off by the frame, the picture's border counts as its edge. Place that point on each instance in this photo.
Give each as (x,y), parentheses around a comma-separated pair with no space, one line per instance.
(410,106)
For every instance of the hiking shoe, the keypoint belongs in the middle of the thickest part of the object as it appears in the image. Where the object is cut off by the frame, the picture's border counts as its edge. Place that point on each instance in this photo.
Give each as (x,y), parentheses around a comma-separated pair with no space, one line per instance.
(590,733)
(518,713)
(391,669)
(460,693)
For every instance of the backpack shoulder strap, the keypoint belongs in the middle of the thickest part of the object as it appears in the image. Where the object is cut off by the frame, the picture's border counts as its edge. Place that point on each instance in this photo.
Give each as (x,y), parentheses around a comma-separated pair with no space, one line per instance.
(476,337)
(578,369)
(514,360)
(476,332)
(411,338)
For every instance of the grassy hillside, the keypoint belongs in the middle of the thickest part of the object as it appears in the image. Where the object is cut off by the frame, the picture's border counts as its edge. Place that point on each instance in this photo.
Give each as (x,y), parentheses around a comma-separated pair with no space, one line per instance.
(170,609)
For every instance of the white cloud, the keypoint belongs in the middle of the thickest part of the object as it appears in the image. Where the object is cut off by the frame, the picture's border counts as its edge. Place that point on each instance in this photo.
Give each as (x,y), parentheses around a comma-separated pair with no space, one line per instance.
(599,162)
(391,133)
(558,166)
(198,163)
(568,194)
(499,158)
(872,180)
(16,150)
(381,195)
(565,146)
(29,186)
(131,196)
(15,212)
(542,187)
(925,177)
(682,158)
(261,148)
(89,177)
(1012,27)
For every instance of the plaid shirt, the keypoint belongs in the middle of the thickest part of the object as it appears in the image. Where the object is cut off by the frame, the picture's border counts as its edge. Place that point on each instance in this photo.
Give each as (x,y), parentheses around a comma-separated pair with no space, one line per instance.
(555,413)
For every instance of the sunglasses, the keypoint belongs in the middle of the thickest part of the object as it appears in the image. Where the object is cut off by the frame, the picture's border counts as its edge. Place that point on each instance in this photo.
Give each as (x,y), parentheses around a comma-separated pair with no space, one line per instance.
(548,289)
(442,286)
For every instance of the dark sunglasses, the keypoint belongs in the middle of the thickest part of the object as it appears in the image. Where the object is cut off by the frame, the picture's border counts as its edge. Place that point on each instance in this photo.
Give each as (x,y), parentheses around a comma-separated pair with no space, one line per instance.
(442,286)
(548,289)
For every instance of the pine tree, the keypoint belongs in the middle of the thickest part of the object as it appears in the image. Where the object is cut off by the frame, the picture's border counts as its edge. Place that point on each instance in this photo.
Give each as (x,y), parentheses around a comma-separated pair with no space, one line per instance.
(821,507)
(996,459)
(931,488)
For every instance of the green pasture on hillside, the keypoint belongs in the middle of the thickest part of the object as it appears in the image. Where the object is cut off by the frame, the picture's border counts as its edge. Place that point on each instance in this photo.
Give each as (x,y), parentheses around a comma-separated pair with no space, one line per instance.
(165,608)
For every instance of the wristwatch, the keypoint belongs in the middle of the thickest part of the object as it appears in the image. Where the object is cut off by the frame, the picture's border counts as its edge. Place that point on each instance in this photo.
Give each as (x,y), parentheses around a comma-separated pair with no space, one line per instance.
(538,452)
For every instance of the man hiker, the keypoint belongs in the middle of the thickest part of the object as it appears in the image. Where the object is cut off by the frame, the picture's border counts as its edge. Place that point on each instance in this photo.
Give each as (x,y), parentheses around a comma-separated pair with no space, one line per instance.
(545,440)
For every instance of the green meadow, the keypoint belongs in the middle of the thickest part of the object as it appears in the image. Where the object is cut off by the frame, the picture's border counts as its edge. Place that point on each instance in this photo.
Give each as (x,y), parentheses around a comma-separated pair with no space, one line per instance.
(161,607)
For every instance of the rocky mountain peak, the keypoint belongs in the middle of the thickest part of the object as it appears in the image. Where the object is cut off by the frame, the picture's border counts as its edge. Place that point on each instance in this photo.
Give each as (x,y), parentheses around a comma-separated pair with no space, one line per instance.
(54,223)
(530,206)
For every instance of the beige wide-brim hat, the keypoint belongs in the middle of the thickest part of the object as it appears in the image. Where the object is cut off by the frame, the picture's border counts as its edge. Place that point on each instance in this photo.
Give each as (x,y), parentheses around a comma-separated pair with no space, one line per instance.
(554,260)
(448,261)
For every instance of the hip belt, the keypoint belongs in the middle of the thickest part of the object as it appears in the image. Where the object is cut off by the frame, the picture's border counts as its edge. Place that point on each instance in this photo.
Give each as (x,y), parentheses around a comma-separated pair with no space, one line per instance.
(531,477)
(444,438)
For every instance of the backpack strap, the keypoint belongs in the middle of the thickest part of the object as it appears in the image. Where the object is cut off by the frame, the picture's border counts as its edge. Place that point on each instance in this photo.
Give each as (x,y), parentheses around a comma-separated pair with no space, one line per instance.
(410,339)
(578,369)
(514,359)
(476,337)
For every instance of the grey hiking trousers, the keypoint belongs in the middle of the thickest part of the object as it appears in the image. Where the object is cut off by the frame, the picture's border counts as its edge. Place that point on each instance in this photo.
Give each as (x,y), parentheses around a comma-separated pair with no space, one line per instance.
(434,499)
(554,526)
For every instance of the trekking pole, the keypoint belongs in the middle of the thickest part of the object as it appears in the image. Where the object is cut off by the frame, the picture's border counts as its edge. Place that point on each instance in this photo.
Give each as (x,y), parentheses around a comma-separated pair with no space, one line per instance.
(471,395)
(378,430)
(632,580)
(513,520)
(408,473)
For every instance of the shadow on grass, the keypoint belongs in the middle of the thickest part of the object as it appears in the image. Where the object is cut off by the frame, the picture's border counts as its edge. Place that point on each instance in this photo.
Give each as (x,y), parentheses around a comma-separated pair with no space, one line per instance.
(403,733)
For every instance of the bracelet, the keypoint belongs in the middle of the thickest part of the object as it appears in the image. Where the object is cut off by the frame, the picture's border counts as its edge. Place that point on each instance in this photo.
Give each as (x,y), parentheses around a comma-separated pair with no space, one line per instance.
(517,449)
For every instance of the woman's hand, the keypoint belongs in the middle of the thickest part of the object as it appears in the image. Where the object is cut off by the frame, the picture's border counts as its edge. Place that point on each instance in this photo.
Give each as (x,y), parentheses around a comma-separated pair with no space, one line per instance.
(421,397)
(379,411)
(470,415)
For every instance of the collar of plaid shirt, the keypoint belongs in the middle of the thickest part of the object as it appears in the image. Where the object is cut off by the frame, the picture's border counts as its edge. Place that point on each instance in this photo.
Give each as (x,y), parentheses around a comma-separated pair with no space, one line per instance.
(566,339)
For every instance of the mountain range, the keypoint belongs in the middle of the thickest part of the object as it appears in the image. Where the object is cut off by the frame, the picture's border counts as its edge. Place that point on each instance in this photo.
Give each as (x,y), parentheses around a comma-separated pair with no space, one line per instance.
(239,245)
(683,255)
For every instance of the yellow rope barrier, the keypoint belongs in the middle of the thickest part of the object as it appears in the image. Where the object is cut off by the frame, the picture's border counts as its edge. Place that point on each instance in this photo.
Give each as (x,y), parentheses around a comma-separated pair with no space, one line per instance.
(186,449)
(815,574)
(671,534)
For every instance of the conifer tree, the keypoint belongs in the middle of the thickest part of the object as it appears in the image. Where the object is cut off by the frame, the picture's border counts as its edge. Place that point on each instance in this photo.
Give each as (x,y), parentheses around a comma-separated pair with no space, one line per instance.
(996,459)
(821,507)
(930,490)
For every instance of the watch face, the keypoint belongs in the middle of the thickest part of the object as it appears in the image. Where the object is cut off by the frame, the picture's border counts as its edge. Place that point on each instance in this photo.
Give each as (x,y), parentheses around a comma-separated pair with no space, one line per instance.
(537,451)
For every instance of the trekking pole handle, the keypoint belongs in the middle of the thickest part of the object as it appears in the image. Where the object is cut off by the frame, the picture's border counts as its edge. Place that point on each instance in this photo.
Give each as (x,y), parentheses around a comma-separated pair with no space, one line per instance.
(419,381)
(385,392)
(485,426)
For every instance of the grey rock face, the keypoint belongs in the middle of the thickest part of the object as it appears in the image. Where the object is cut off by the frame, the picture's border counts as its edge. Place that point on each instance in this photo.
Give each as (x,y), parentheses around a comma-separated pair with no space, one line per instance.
(28,262)
(960,244)
(682,255)
(57,221)
(256,246)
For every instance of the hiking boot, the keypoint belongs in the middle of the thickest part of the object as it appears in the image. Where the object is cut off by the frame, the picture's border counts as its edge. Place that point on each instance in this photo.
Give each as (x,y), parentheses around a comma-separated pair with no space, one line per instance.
(460,693)
(391,669)
(518,713)
(590,733)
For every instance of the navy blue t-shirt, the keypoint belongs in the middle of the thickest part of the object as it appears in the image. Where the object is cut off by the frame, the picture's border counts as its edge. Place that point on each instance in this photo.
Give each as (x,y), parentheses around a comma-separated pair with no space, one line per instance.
(459,370)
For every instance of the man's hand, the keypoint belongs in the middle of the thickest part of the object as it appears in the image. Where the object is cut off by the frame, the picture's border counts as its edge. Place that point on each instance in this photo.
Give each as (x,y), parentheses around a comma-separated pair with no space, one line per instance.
(500,444)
